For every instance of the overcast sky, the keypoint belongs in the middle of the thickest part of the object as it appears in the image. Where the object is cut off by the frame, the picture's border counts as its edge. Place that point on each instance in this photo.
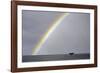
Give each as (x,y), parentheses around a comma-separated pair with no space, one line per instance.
(71,35)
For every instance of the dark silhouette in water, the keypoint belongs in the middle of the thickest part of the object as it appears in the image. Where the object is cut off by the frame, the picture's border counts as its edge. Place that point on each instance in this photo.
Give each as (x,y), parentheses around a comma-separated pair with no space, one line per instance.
(71,53)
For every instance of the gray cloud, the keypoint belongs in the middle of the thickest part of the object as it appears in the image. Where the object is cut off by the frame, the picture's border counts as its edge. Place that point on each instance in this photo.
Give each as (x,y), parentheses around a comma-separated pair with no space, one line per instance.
(72,34)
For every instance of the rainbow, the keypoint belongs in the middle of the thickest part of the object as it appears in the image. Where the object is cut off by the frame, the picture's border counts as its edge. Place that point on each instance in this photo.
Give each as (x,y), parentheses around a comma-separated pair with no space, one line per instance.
(49,32)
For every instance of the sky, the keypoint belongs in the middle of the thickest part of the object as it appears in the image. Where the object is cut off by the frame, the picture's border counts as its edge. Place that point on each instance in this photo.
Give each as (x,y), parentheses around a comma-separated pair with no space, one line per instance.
(48,33)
